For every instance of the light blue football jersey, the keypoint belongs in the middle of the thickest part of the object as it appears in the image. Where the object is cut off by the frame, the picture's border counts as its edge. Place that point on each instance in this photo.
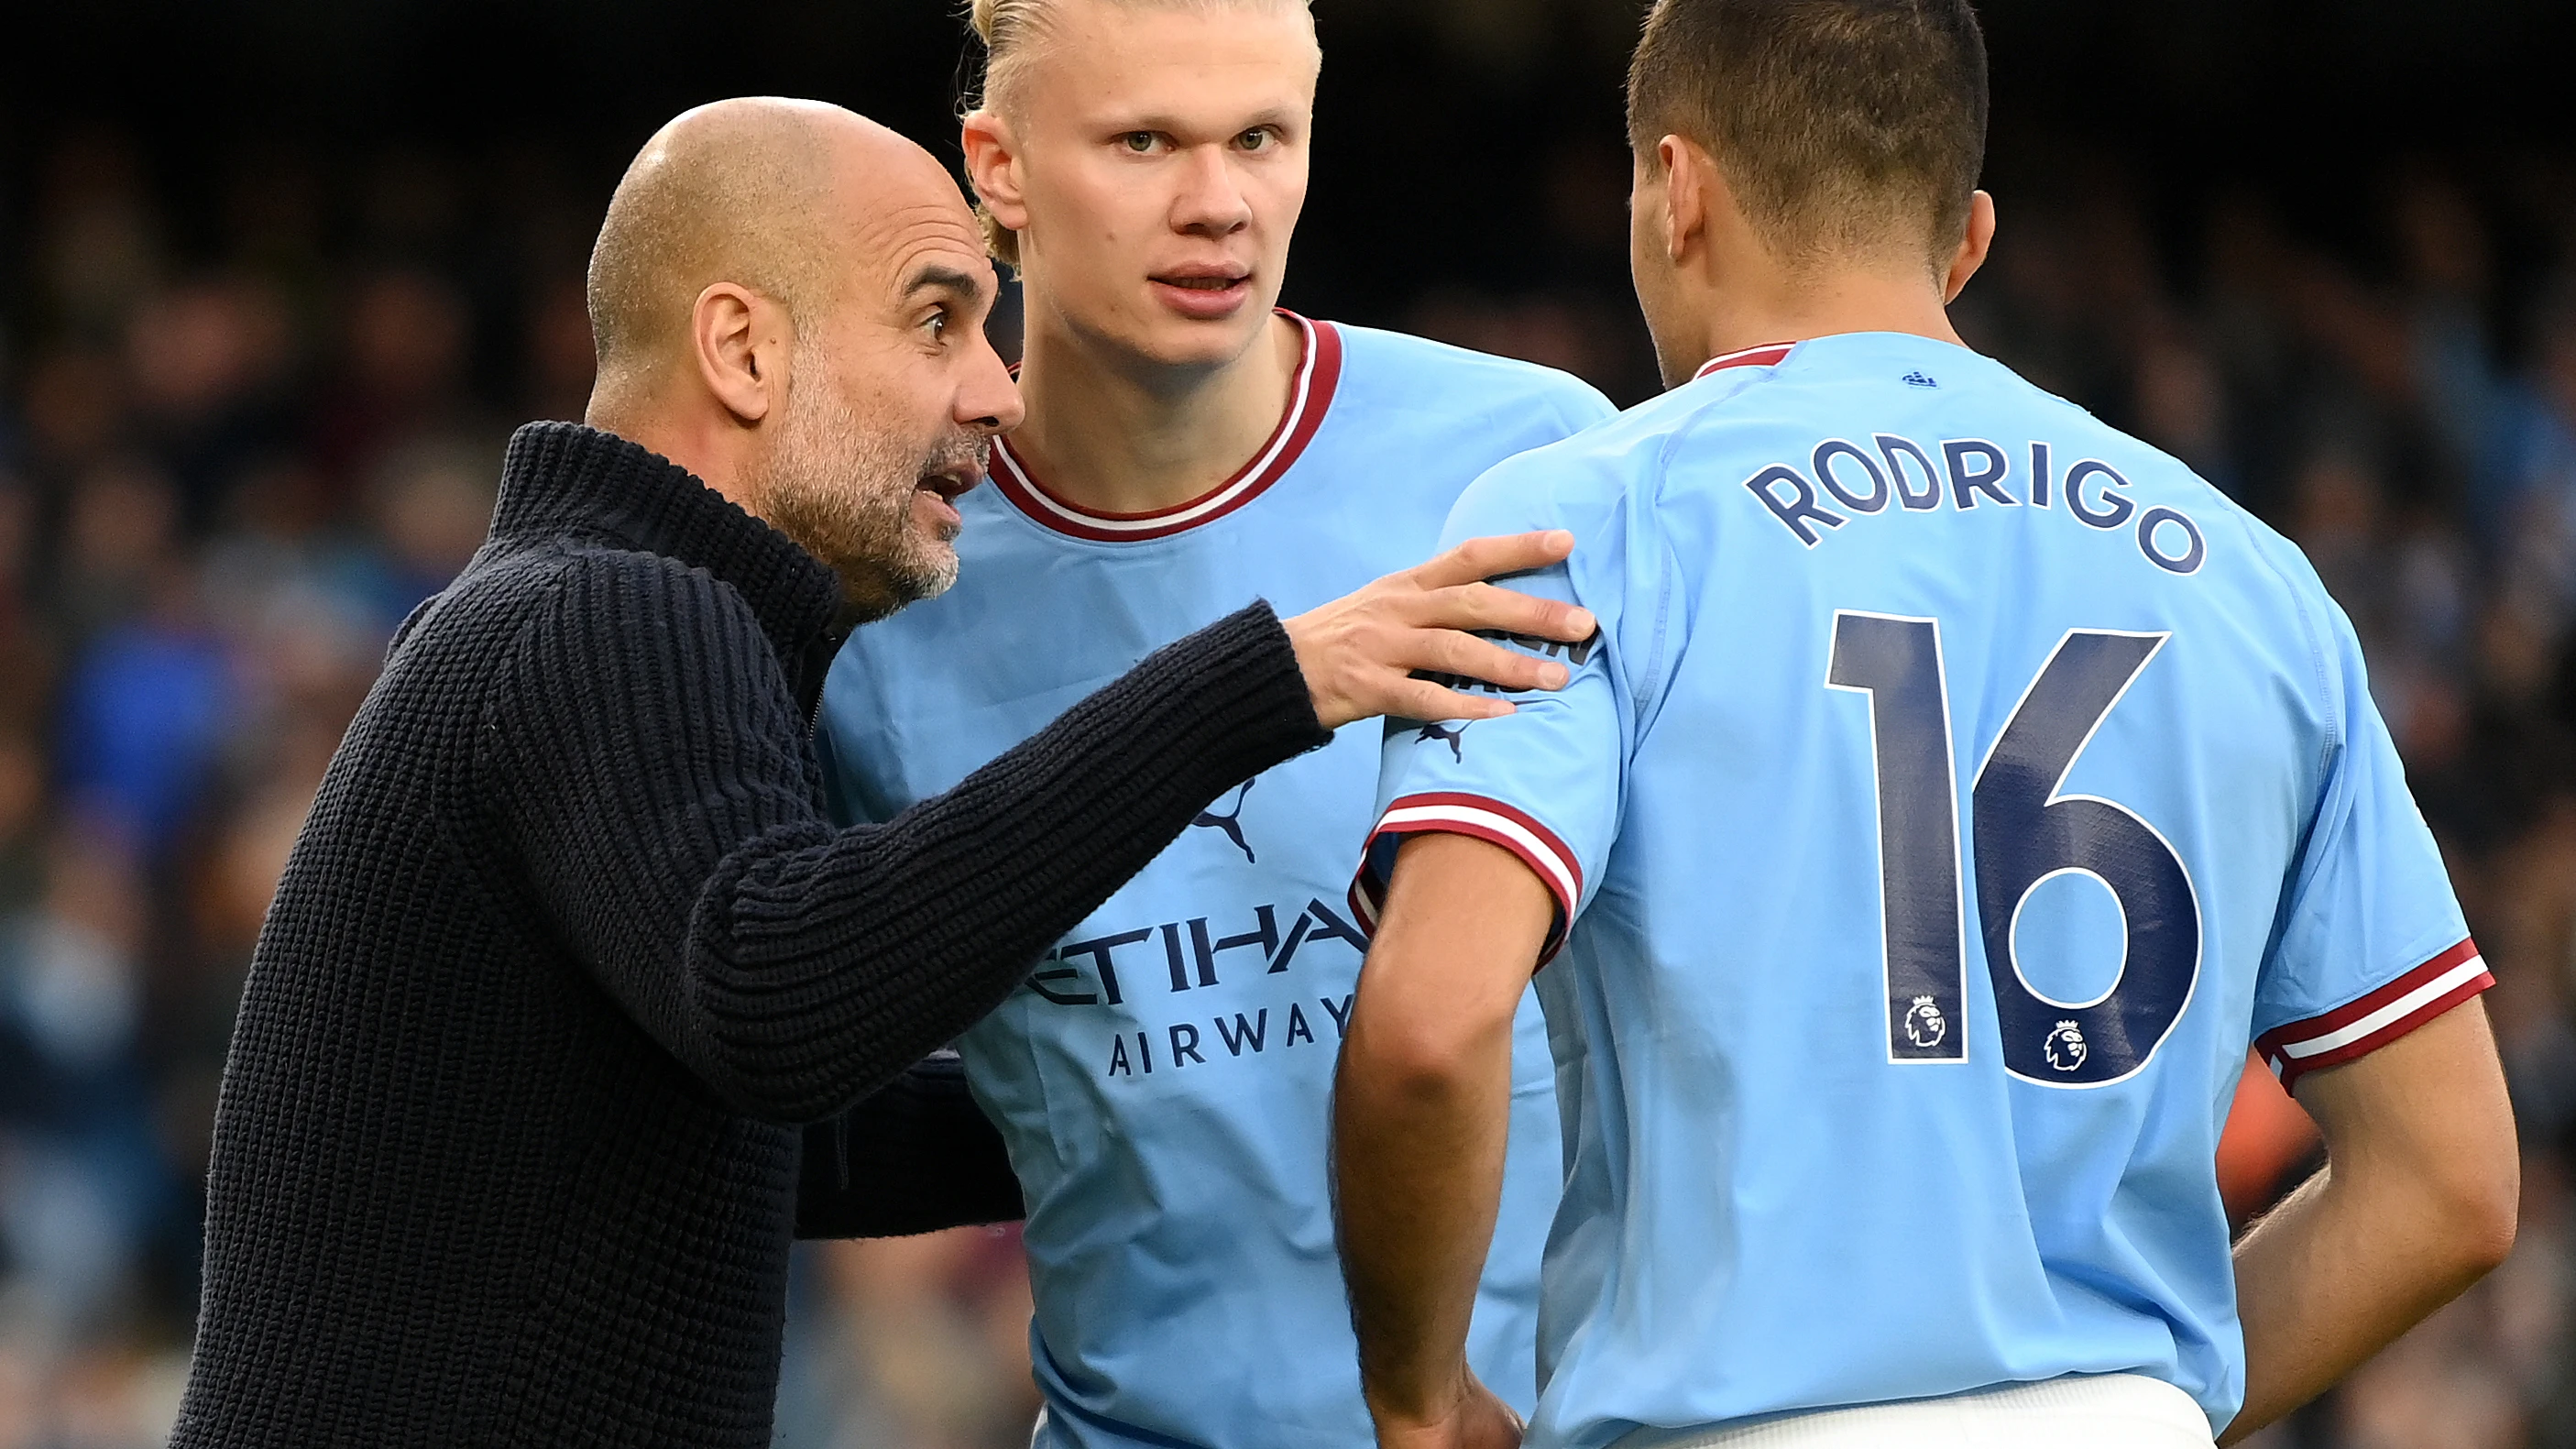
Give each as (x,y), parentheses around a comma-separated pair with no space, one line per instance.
(1955,787)
(1164,1079)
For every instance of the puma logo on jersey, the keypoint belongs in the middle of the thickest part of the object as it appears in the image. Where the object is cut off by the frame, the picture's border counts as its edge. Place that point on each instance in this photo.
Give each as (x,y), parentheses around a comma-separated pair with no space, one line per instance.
(1447,735)
(1231,824)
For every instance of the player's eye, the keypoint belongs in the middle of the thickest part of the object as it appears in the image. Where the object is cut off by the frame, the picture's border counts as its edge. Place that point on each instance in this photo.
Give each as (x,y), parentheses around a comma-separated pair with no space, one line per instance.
(937,325)
(1256,139)
(1139,142)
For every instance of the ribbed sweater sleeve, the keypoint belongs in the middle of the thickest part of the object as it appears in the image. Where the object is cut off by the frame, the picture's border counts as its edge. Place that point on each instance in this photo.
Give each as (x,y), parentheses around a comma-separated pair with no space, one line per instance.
(647,769)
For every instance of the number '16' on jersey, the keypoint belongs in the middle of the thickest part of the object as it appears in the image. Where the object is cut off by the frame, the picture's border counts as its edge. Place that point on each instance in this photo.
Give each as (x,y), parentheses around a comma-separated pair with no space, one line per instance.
(1956,788)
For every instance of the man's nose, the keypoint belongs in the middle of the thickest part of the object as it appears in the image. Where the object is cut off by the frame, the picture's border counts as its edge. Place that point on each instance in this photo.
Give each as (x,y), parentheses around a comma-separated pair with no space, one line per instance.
(1210,202)
(988,401)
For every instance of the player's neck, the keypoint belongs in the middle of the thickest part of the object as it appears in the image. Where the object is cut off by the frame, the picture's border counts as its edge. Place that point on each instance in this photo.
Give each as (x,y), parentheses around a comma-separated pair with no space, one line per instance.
(1784,308)
(1115,434)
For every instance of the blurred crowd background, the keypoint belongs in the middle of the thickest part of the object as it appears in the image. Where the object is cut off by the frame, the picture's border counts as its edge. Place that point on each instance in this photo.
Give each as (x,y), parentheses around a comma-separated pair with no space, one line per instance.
(278,277)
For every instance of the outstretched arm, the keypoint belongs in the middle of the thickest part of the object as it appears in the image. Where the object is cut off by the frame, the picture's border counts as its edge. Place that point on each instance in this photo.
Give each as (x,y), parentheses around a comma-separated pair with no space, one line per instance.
(1420,1115)
(2417,1201)
(652,787)
(650,775)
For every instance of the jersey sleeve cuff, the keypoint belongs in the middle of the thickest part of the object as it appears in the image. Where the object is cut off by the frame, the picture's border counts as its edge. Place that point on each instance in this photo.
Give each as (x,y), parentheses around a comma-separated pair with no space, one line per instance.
(1538,847)
(2365,1025)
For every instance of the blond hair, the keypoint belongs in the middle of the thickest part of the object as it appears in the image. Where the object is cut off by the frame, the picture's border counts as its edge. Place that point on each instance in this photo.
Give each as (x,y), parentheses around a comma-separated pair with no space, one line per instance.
(1010,31)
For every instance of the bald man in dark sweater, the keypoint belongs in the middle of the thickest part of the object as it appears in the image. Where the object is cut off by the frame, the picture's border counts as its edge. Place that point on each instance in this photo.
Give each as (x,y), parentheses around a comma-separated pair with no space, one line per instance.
(567,965)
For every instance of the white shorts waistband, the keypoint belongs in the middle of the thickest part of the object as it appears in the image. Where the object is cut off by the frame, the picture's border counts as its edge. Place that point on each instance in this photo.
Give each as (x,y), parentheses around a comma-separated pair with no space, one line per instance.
(2099,1411)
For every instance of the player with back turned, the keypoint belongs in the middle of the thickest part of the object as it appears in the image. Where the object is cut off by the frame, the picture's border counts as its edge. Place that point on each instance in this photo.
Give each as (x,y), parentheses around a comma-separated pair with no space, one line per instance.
(1955,788)
(1163,1079)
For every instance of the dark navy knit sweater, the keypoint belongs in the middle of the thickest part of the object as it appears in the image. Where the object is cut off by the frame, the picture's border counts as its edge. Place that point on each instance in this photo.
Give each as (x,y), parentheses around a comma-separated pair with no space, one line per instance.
(567,958)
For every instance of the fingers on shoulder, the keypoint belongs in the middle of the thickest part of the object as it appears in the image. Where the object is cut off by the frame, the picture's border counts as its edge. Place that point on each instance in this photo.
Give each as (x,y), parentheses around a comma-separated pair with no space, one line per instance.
(1491,554)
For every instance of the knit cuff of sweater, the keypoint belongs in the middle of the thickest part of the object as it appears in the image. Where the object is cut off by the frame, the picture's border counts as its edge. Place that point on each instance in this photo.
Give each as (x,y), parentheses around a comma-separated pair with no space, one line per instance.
(1240,677)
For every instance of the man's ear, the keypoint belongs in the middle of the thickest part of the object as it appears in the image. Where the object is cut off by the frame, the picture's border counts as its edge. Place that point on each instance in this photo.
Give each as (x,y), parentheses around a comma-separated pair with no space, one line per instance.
(993,167)
(1972,247)
(1691,187)
(740,340)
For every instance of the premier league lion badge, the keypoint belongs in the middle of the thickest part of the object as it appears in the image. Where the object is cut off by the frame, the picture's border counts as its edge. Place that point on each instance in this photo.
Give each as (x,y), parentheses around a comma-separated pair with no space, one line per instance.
(2065,1047)
(1924,1023)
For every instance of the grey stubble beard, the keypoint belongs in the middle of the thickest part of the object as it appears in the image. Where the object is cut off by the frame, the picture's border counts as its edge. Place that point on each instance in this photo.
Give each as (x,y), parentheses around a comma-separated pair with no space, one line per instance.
(844,492)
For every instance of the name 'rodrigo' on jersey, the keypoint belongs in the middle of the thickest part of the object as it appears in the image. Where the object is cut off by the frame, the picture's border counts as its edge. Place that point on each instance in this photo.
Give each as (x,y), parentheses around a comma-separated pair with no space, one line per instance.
(1164,1078)
(1954,790)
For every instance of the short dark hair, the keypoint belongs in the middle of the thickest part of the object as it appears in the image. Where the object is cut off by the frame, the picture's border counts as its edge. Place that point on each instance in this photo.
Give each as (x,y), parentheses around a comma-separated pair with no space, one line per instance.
(1842,125)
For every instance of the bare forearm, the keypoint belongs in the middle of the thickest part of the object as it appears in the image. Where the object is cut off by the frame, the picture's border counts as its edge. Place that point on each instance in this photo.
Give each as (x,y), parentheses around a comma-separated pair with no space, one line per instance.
(2300,1334)
(1421,1116)
(2418,1202)
(1419,1159)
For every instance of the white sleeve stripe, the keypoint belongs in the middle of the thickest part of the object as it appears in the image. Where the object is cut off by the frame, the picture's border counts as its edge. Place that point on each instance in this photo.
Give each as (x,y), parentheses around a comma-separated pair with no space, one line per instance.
(2395,1011)
(1538,851)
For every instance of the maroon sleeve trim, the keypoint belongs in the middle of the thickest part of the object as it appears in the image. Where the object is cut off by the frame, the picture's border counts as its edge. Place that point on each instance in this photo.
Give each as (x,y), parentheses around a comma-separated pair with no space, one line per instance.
(1514,830)
(2363,1026)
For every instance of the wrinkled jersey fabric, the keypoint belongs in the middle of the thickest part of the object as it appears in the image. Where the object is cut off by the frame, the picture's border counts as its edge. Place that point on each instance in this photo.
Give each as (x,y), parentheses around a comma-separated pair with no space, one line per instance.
(1164,1077)
(1955,788)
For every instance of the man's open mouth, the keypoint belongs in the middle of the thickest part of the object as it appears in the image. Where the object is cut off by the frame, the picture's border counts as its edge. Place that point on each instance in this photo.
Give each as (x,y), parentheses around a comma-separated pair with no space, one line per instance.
(951,483)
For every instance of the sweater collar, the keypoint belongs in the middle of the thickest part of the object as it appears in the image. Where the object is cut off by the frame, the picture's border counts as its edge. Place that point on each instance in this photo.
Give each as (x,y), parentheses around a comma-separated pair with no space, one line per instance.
(567,478)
